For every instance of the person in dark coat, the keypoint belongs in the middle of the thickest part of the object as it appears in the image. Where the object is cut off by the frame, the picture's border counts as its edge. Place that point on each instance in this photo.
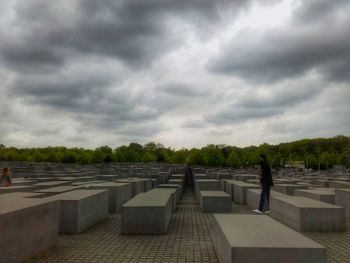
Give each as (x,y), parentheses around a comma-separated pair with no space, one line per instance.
(266,182)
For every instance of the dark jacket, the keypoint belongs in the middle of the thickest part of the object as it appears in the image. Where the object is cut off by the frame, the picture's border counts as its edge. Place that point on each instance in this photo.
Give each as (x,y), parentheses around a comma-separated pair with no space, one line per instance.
(266,176)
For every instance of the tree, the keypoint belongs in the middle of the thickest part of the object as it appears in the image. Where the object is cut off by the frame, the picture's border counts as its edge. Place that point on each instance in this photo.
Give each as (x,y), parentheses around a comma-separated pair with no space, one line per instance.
(233,160)
(148,157)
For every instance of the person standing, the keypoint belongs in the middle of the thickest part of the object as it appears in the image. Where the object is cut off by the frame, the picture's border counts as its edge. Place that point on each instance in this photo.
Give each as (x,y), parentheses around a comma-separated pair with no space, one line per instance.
(5,179)
(266,182)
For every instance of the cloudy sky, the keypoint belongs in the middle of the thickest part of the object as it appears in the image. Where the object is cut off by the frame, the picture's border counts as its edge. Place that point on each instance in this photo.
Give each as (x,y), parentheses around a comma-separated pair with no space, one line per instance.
(184,73)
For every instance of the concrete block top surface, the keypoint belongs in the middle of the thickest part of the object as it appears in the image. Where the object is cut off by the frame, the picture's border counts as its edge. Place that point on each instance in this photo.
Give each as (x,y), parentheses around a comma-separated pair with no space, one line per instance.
(169,190)
(106,184)
(342,190)
(244,184)
(51,183)
(315,191)
(304,202)
(168,185)
(8,205)
(76,194)
(16,187)
(214,194)
(144,200)
(251,231)
(207,180)
(59,189)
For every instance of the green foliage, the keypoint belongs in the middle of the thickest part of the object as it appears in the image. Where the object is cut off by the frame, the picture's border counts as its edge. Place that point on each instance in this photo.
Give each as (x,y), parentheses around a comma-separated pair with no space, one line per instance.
(233,160)
(328,151)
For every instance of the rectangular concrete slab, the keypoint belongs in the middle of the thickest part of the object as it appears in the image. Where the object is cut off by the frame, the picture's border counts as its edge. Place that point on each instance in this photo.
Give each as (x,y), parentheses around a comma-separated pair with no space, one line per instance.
(342,198)
(27,227)
(305,214)
(240,191)
(260,239)
(80,209)
(146,214)
(318,194)
(215,202)
(288,189)
(119,194)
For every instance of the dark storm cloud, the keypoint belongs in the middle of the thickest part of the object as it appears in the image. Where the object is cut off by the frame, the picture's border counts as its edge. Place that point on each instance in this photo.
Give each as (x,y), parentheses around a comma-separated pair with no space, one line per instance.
(294,50)
(136,32)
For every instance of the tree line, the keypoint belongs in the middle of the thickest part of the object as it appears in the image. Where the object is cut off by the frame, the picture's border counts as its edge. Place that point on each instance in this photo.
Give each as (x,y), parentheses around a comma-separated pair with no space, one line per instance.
(313,152)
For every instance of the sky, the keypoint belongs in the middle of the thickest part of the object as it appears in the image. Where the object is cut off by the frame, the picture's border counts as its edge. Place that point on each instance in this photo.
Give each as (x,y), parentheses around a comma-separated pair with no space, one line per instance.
(185,73)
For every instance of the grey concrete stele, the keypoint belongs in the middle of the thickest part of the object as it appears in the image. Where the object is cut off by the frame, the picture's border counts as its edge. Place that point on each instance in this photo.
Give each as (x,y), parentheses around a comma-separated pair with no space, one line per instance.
(80,209)
(305,214)
(342,198)
(260,239)
(215,202)
(147,214)
(27,227)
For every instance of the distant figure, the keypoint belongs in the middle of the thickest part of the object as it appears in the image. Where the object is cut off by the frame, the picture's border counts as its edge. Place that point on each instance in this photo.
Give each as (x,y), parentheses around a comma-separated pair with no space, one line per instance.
(266,183)
(5,179)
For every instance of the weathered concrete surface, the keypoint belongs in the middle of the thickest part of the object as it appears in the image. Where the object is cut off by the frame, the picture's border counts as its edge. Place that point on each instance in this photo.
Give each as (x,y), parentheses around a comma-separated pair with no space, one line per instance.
(27,227)
(327,196)
(215,202)
(287,189)
(240,191)
(146,214)
(80,209)
(254,238)
(205,185)
(12,189)
(173,192)
(305,214)
(119,194)
(342,198)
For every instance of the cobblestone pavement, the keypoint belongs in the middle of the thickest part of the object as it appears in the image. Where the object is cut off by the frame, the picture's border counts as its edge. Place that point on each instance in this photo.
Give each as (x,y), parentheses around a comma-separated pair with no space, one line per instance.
(187,240)
(337,244)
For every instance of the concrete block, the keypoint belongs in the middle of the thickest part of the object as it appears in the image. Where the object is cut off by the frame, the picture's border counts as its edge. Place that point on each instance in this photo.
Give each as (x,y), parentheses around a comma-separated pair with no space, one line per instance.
(107,177)
(305,214)
(118,194)
(80,209)
(27,227)
(317,194)
(260,239)
(12,189)
(44,185)
(339,184)
(240,191)
(206,185)
(137,185)
(215,202)
(146,214)
(342,198)
(287,189)
(172,191)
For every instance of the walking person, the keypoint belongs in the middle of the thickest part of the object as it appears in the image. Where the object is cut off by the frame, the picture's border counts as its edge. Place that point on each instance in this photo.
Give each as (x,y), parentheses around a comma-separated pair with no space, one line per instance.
(266,182)
(5,179)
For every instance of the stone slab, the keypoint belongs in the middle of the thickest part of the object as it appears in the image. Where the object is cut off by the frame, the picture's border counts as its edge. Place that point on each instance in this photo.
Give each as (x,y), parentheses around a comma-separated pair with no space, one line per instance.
(146,214)
(119,194)
(215,202)
(260,239)
(342,198)
(305,214)
(80,209)
(240,191)
(318,194)
(27,227)
(288,188)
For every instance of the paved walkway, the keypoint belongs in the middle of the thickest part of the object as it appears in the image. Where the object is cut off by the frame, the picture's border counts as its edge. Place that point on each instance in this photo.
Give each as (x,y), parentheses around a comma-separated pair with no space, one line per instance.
(187,240)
